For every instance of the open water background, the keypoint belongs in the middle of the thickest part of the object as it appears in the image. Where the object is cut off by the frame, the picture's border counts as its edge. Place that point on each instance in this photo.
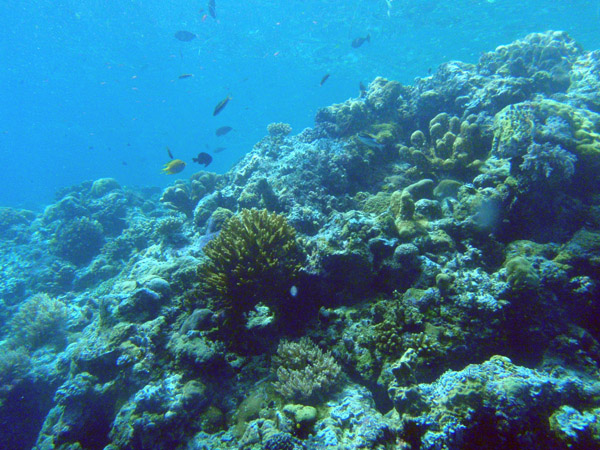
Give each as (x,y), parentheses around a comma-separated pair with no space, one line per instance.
(90,89)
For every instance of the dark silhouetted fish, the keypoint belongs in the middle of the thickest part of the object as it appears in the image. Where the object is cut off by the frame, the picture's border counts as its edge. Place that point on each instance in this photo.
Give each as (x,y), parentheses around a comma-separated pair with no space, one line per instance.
(185,36)
(203,158)
(360,41)
(221,105)
(362,88)
(324,79)
(219,149)
(212,9)
(223,131)
(185,75)
(169,152)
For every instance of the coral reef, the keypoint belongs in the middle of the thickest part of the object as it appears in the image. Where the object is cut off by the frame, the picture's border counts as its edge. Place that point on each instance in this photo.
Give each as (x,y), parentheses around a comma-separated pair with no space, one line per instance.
(418,270)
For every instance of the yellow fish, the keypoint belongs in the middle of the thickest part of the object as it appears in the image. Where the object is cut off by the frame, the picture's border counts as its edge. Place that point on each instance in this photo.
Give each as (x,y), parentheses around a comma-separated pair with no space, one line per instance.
(174,166)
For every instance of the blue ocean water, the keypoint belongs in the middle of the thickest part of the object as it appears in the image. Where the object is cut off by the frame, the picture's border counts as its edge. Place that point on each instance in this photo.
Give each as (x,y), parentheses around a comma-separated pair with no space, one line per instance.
(91,89)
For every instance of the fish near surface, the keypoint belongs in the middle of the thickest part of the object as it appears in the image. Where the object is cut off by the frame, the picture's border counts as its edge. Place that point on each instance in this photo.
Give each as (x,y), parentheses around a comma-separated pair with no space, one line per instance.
(203,158)
(221,105)
(223,131)
(173,167)
(212,9)
(184,36)
(360,41)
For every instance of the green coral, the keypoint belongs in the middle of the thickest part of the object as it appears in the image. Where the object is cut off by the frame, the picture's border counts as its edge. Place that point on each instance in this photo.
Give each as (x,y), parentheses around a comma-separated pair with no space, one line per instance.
(348,117)
(402,206)
(10,217)
(374,204)
(586,130)
(518,126)
(255,258)
(219,217)
(385,133)
(40,320)
(453,145)
(521,274)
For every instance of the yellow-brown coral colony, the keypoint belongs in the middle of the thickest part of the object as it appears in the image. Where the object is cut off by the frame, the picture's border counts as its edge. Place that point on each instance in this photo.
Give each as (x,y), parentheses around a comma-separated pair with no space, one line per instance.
(254,259)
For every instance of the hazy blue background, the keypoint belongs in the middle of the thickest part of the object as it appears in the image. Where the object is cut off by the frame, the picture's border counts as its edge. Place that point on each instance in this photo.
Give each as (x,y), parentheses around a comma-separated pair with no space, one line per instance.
(90,89)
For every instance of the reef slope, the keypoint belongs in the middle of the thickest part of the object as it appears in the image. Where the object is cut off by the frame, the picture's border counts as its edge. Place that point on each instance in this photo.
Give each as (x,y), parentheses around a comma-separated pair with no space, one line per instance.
(419,270)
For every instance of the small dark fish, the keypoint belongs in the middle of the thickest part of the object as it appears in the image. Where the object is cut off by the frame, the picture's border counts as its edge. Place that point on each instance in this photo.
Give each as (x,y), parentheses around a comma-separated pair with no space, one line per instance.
(203,158)
(185,75)
(360,41)
(169,152)
(211,9)
(369,140)
(221,105)
(219,149)
(185,36)
(362,87)
(223,131)
(324,79)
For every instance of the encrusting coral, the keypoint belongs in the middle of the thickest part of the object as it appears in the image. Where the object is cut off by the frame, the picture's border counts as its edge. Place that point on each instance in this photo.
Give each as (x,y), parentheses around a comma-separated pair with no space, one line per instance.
(254,259)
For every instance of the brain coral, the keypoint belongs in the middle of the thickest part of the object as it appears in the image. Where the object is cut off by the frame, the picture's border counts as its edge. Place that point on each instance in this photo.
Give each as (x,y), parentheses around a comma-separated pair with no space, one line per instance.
(255,258)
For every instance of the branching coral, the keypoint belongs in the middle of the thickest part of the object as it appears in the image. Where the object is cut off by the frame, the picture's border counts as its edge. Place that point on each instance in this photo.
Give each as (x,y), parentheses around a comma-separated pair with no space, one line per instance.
(304,370)
(254,259)
(40,320)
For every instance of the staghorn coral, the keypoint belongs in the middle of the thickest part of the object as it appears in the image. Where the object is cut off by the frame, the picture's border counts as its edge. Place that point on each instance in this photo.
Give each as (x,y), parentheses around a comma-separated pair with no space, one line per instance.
(255,258)
(303,370)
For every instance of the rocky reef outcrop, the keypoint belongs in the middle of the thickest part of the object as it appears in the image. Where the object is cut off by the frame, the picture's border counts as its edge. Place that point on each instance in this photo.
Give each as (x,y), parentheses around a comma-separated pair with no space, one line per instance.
(419,270)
